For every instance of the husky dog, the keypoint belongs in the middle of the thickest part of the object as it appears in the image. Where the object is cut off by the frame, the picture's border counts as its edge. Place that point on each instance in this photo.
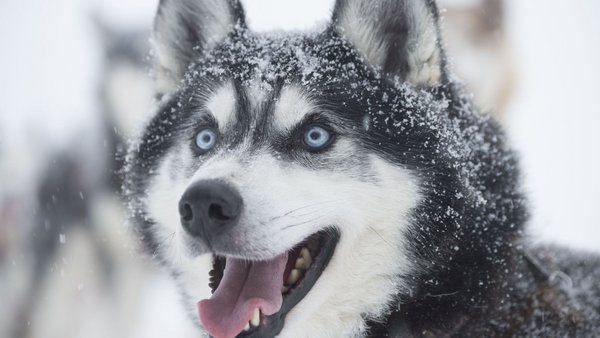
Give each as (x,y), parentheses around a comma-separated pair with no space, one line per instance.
(338,184)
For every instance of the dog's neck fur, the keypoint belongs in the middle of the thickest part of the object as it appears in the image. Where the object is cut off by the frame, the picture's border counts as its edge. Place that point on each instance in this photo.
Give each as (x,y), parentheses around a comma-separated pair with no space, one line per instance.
(462,286)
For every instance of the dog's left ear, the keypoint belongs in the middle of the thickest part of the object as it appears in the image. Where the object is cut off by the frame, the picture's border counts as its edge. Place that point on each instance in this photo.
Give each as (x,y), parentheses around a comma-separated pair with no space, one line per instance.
(401,37)
(185,28)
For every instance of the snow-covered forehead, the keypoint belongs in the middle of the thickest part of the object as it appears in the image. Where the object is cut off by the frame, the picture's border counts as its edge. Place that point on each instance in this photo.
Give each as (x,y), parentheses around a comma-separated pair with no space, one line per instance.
(270,60)
(260,105)
(254,83)
(256,108)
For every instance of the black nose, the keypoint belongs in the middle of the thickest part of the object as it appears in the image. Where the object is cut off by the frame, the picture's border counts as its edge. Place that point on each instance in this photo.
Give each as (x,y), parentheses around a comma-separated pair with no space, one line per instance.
(209,208)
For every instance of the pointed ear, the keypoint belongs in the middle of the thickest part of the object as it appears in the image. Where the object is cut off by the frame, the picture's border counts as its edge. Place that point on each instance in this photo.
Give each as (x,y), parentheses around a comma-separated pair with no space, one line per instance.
(185,28)
(401,37)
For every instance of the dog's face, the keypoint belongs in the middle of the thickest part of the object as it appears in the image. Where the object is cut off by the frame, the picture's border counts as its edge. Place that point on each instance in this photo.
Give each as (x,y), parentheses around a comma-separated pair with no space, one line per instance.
(272,164)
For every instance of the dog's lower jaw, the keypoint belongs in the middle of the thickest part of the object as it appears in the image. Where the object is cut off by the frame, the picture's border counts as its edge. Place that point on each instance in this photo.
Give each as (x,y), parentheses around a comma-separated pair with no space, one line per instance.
(341,303)
(335,319)
(331,320)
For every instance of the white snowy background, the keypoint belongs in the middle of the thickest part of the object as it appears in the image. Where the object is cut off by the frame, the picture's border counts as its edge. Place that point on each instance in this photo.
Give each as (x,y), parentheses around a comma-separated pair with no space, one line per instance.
(49,64)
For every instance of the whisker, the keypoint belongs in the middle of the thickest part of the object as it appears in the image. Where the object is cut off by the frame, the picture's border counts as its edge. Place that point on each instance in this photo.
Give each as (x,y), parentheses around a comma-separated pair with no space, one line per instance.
(312,212)
(165,240)
(382,238)
(302,208)
(300,223)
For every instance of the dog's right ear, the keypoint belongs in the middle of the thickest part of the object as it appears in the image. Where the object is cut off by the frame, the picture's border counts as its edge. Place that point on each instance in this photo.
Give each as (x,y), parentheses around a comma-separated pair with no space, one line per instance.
(400,37)
(185,28)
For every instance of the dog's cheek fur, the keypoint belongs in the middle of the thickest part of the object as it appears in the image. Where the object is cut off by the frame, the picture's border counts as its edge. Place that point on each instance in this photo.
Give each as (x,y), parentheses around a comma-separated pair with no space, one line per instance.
(361,279)
(163,192)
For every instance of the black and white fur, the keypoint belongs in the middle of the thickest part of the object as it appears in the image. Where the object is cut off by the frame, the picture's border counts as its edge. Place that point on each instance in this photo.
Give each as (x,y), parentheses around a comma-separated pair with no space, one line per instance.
(423,190)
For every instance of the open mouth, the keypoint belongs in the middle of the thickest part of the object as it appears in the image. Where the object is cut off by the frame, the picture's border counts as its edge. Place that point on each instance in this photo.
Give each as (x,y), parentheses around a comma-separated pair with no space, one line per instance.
(252,298)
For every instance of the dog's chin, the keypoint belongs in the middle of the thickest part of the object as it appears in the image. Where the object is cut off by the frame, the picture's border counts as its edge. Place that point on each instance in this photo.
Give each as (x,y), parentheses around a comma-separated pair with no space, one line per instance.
(252,298)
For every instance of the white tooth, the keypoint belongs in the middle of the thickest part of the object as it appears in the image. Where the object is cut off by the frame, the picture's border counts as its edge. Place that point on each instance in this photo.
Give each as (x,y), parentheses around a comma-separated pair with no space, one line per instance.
(255,317)
(294,276)
(284,289)
(247,327)
(307,257)
(301,264)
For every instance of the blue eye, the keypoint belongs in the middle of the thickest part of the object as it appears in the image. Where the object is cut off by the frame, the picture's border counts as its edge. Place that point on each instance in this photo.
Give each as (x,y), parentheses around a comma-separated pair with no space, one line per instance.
(206,139)
(316,138)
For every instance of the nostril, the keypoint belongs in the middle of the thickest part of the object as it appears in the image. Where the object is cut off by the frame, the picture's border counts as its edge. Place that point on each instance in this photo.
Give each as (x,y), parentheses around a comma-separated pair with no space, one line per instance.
(209,208)
(215,211)
(186,212)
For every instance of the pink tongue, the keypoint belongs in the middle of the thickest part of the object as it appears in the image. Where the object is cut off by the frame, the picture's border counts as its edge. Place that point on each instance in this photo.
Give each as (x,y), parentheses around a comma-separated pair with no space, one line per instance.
(244,287)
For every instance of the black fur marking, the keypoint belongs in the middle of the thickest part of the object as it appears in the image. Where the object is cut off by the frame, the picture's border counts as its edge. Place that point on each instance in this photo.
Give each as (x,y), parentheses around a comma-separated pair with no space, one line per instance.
(243,115)
(262,131)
